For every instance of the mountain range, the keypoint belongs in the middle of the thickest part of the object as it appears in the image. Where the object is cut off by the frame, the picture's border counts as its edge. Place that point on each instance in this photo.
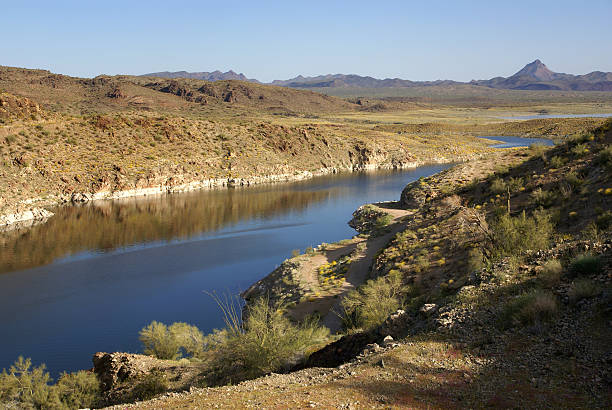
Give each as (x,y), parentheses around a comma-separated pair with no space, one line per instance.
(208,76)
(534,76)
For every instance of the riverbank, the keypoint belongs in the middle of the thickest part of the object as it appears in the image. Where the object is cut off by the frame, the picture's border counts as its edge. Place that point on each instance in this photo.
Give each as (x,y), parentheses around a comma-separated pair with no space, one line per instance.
(34,209)
(299,281)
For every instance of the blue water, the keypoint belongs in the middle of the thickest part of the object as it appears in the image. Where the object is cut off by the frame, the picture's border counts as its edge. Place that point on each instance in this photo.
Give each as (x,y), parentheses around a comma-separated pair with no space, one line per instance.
(542,116)
(98,283)
(514,142)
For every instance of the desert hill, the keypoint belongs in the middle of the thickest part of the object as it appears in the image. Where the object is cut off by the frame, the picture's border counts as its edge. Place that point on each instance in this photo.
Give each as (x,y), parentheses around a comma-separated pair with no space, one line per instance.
(208,76)
(63,93)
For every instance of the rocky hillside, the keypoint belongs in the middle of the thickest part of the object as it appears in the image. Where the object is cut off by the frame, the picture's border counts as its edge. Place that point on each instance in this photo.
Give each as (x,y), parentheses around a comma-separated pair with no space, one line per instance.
(504,300)
(207,76)
(103,94)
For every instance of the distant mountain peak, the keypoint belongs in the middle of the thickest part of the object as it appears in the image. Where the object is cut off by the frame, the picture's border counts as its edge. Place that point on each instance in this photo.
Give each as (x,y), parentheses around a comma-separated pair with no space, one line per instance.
(536,70)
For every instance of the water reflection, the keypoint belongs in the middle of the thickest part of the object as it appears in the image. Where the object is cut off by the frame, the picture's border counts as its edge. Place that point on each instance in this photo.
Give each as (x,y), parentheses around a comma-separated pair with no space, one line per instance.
(109,225)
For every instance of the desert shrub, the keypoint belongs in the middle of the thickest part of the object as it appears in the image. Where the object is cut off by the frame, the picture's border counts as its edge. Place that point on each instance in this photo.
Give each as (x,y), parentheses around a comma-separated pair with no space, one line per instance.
(309,250)
(372,303)
(190,339)
(529,308)
(383,221)
(171,342)
(150,385)
(265,341)
(551,273)
(513,235)
(557,162)
(592,233)
(604,221)
(158,341)
(515,184)
(24,386)
(9,139)
(580,150)
(605,156)
(573,180)
(543,198)
(537,150)
(586,264)
(498,186)
(582,289)
(295,253)
(78,390)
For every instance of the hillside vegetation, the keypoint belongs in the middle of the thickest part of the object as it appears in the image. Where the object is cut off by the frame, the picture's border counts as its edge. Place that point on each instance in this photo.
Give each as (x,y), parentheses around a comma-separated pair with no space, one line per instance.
(503,285)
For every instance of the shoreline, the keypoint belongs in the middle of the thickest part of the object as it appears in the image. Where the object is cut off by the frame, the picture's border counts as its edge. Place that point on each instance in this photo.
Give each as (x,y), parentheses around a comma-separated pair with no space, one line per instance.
(38,213)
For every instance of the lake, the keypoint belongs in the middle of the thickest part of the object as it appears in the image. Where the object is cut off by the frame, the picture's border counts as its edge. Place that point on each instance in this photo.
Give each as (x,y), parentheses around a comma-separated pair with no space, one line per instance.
(92,276)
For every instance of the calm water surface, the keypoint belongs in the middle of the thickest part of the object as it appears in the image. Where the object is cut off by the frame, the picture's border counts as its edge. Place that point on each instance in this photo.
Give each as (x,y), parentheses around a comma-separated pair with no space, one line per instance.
(92,276)
(514,142)
(538,116)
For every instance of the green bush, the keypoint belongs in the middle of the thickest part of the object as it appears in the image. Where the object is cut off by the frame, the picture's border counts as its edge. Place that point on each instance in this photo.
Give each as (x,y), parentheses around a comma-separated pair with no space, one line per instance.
(27,386)
(265,341)
(383,221)
(573,180)
(513,235)
(24,386)
(171,342)
(557,162)
(586,264)
(537,150)
(515,184)
(605,156)
(498,186)
(530,308)
(580,150)
(79,390)
(371,304)
(582,289)
(543,198)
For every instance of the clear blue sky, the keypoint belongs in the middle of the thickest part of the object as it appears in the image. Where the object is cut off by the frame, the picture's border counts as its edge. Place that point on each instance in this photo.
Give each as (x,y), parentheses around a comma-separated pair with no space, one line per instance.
(416,40)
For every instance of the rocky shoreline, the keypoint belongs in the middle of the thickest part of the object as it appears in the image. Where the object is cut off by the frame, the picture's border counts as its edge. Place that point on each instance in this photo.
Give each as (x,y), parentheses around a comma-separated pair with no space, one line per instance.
(34,210)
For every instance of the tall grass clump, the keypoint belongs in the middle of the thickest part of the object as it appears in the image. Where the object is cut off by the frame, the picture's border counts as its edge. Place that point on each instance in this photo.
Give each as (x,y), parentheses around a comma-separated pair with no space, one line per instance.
(531,308)
(371,304)
(582,289)
(586,264)
(264,341)
(498,186)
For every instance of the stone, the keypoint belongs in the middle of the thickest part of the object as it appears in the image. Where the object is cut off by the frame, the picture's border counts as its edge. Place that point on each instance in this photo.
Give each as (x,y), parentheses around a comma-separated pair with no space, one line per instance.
(387,340)
(428,308)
